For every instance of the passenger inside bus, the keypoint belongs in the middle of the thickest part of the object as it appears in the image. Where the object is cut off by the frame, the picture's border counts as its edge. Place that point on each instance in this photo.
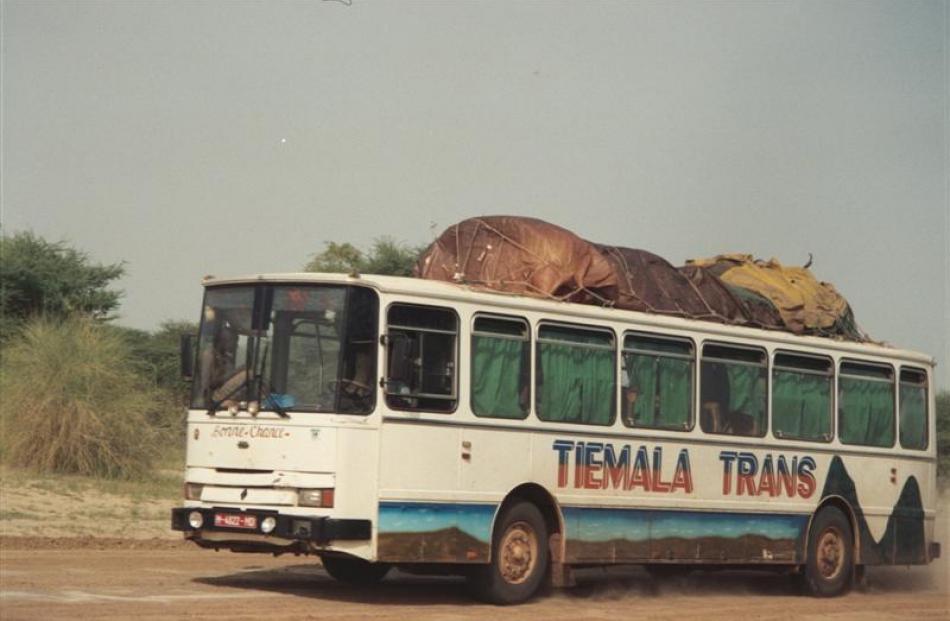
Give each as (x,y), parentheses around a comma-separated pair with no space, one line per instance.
(630,390)
(720,392)
(714,398)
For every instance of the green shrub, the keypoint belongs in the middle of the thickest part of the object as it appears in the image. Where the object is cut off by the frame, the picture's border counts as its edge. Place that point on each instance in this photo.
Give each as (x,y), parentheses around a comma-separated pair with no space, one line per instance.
(74,403)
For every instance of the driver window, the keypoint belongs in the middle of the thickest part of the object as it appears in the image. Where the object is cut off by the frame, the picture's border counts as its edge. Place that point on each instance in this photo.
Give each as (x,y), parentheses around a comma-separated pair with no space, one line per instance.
(422,344)
(227,360)
(356,392)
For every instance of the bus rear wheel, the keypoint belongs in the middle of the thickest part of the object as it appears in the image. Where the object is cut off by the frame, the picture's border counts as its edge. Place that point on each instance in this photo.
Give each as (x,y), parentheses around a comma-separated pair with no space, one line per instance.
(519,557)
(830,562)
(354,570)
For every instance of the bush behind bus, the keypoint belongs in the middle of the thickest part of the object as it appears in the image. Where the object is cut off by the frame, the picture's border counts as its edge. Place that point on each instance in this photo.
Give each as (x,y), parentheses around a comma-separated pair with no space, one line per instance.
(74,402)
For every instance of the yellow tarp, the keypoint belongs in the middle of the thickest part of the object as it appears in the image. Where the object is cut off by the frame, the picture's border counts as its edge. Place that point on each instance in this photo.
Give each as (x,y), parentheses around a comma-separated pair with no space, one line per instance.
(806,304)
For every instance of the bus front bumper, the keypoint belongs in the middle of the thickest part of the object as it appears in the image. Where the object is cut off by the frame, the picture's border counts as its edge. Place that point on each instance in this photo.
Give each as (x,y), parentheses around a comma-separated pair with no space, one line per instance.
(320,530)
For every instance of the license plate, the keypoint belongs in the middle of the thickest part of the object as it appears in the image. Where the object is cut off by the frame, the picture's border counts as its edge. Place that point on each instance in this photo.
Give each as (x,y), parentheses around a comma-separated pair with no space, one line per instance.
(235,520)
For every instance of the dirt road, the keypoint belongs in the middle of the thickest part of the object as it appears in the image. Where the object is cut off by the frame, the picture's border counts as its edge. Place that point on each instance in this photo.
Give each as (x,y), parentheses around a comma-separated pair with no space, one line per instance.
(166,580)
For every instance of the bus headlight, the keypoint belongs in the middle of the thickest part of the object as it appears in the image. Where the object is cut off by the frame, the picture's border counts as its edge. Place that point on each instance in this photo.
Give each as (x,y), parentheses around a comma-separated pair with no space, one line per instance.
(315,498)
(196,520)
(268,524)
(193,491)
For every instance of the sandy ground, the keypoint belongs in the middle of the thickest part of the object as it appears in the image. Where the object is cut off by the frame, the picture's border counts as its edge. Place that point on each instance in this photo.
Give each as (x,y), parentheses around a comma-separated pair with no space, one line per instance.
(181,582)
(82,508)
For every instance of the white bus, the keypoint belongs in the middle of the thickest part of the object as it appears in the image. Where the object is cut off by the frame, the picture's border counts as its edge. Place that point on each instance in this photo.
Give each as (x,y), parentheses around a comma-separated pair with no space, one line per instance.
(380,421)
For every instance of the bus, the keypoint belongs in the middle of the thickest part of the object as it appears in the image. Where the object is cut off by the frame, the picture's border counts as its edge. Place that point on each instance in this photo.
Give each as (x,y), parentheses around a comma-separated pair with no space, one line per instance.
(381,422)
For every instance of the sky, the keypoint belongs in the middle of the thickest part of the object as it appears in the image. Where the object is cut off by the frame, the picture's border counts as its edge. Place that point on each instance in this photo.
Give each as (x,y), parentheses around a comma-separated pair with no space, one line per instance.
(231,138)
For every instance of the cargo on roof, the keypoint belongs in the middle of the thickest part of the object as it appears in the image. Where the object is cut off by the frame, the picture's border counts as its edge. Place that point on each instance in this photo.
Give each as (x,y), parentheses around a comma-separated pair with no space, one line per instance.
(531,257)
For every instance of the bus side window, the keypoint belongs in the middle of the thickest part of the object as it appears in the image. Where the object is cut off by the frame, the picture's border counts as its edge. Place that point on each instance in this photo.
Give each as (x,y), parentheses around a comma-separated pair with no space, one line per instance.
(913,409)
(501,367)
(576,375)
(733,397)
(801,397)
(656,382)
(866,404)
(422,346)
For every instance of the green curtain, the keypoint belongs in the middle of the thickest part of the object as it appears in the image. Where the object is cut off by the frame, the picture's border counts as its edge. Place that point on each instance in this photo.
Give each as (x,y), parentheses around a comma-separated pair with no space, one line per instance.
(663,386)
(575,384)
(747,392)
(497,376)
(675,390)
(913,416)
(866,412)
(642,373)
(801,405)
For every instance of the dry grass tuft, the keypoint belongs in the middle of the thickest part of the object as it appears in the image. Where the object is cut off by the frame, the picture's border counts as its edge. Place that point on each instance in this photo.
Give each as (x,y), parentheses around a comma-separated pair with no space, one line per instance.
(73,403)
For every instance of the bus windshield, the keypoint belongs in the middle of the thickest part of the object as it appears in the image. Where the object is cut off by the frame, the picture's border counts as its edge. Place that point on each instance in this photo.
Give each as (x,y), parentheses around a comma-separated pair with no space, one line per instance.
(308,348)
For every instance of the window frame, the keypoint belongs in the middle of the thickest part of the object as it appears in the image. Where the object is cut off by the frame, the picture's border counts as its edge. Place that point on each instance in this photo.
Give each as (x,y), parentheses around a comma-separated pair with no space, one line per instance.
(471,375)
(693,376)
(613,348)
(927,409)
(454,397)
(765,364)
(871,378)
(832,397)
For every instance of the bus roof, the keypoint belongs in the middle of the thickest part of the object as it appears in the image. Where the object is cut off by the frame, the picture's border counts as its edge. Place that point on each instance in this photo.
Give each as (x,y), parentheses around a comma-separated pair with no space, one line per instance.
(451,292)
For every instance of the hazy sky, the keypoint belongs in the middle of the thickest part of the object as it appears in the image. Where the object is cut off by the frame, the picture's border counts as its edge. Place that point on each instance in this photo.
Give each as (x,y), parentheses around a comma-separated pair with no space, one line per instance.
(236,137)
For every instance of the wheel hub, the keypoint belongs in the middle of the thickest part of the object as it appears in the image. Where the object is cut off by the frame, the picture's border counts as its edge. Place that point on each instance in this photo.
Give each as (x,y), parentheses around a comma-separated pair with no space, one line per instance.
(830,553)
(519,552)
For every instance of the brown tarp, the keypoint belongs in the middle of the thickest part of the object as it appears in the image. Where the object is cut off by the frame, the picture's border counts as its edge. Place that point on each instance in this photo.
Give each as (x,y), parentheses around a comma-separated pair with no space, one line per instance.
(519,255)
(527,256)
(649,283)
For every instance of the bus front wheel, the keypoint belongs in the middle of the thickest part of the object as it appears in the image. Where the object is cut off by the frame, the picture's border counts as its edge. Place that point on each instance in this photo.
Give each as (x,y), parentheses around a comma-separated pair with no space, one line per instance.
(519,557)
(354,570)
(830,561)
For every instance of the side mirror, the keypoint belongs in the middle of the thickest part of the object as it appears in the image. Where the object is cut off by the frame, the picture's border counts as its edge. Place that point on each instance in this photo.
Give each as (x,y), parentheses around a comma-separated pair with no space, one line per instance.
(187,354)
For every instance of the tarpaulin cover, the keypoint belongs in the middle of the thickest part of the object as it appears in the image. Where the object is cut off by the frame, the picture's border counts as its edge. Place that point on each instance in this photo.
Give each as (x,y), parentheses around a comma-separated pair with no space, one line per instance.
(806,305)
(519,255)
(734,304)
(527,256)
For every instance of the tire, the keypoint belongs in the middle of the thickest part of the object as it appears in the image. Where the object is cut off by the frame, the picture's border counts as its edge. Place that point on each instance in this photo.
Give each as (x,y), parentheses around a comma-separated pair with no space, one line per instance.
(829,565)
(519,557)
(354,570)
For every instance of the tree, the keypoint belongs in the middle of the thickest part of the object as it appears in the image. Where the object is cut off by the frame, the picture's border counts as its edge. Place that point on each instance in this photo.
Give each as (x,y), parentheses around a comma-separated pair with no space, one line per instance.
(52,279)
(156,356)
(386,256)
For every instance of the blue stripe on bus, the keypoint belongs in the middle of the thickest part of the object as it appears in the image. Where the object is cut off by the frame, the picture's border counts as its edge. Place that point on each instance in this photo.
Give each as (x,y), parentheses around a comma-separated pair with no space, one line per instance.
(598,524)
(421,517)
